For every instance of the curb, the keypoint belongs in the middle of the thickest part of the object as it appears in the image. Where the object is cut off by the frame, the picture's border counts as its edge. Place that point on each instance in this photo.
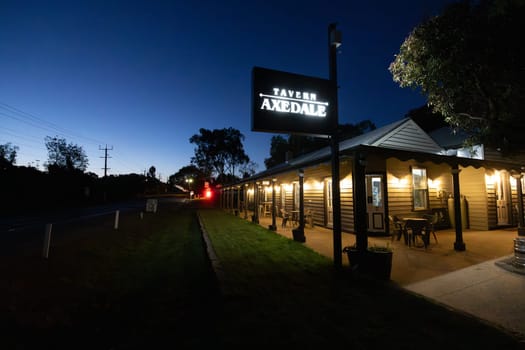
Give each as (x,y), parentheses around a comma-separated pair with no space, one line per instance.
(212,256)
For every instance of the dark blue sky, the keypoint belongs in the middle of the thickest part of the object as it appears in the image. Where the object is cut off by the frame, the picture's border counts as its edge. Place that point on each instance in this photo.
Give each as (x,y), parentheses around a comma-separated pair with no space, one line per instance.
(144,76)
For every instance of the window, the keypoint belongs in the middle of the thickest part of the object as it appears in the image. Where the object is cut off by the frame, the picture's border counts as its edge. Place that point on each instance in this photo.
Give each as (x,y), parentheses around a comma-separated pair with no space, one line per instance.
(296,196)
(420,188)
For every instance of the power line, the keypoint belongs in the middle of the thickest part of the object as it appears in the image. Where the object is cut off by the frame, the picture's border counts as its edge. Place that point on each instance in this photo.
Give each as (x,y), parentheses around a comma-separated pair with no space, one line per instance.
(17,134)
(35,121)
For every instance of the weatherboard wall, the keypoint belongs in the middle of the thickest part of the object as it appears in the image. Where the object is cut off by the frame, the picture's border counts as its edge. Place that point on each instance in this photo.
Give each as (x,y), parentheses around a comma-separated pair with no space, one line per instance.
(473,187)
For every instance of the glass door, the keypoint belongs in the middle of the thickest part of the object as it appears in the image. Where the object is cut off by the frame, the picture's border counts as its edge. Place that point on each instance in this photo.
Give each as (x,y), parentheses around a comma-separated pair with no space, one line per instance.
(502,197)
(328,202)
(375,203)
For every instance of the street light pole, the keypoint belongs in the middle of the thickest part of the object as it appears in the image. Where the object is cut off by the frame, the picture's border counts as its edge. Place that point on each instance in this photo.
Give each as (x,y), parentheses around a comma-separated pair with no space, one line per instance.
(334,41)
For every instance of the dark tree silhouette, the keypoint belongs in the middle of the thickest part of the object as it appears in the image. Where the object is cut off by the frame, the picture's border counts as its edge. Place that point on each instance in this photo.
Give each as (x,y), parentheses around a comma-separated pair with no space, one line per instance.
(470,63)
(7,155)
(219,152)
(188,177)
(64,156)
(297,145)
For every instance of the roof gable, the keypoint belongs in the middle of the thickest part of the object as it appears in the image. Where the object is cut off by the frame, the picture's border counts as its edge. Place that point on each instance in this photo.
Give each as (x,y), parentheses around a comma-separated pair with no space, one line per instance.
(403,134)
(408,136)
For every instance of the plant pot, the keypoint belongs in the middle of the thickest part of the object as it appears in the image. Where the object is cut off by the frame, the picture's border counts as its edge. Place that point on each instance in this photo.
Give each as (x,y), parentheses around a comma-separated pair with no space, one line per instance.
(355,259)
(376,264)
(298,235)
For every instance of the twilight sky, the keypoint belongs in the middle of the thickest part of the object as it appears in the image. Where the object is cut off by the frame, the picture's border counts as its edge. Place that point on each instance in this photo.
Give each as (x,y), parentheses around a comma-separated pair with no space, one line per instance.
(144,76)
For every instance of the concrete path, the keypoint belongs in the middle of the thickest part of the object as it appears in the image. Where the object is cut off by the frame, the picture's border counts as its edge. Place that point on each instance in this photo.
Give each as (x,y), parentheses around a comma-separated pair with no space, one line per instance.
(485,290)
(468,281)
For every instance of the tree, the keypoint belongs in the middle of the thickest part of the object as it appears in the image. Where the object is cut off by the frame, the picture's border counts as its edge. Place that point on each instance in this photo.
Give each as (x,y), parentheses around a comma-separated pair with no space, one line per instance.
(248,169)
(7,155)
(470,63)
(278,148)
(65,156)
(347,131)
(152,172)
(219,152)
(188,177)
(300,144)
(295,145)
(185,173)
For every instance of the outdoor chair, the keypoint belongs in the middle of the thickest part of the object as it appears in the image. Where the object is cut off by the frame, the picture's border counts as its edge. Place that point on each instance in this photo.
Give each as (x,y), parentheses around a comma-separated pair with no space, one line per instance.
(418,228)
(432,222)
(286,218)
(397,228)
(309,217)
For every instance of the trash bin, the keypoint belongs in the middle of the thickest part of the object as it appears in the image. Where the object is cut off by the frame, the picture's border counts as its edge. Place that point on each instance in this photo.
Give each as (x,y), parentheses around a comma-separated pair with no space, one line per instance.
(519,252)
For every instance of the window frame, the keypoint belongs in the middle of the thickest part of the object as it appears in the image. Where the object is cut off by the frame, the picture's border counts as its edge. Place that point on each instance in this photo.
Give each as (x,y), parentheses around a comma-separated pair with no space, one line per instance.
(420,190)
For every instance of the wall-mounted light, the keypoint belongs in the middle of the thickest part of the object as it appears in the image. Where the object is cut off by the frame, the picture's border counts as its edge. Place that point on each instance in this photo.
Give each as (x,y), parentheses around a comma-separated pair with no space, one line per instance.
(435,184)
(313,185)
(490,179)
(346,183)
(397,182)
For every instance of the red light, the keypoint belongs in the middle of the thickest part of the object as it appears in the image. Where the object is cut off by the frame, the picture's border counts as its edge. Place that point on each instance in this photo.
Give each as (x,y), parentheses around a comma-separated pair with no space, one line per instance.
(207,194)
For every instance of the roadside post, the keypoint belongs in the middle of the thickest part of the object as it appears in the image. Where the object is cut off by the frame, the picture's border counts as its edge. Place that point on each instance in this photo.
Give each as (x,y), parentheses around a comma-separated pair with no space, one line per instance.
(117,214)
(47,240)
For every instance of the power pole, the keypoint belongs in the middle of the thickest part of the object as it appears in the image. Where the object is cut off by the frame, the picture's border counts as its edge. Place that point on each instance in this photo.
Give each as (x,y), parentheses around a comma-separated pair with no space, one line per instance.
(106,149)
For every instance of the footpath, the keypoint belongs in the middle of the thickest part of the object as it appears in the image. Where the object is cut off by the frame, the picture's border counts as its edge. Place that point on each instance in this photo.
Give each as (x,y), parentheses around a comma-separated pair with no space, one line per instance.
(489,291)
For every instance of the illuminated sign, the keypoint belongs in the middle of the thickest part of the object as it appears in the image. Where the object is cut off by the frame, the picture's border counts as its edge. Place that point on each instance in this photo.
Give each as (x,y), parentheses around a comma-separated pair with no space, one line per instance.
(291,103)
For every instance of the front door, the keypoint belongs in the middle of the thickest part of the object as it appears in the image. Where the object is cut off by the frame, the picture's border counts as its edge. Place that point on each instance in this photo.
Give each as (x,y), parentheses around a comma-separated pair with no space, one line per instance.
(375,203)
(328,202)
(503,197)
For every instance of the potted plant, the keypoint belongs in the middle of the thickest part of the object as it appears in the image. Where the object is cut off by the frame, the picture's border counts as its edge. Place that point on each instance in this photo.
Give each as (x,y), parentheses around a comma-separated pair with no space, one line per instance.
(355,258)
(376,261)
(379,261)
(298,235)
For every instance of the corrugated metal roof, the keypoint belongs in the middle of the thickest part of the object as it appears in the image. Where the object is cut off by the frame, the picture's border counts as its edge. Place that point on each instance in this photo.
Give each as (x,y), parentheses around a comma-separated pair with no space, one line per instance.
(403,135)
(409,137)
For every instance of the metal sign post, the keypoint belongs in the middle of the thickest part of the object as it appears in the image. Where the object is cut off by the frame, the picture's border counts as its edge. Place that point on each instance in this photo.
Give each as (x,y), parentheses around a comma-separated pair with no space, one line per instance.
(334,41)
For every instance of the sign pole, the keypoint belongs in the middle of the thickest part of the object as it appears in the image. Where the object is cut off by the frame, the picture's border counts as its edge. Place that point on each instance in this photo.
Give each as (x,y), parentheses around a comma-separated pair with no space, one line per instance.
(334,41)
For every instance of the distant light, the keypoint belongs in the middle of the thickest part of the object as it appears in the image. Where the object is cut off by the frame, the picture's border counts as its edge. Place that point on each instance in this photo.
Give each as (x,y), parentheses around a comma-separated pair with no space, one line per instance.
(207,194)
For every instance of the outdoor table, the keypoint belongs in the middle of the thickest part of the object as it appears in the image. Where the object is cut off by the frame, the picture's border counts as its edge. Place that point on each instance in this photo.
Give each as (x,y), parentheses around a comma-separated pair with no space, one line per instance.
(416,225)
(308,217)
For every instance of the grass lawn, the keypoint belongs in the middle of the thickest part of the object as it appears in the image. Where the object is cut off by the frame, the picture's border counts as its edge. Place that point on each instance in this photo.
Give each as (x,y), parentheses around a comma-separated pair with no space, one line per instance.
(279,292)
(147,283)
